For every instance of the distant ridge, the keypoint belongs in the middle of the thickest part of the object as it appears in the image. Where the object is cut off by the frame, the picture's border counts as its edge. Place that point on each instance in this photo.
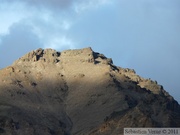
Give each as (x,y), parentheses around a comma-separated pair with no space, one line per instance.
(79,92)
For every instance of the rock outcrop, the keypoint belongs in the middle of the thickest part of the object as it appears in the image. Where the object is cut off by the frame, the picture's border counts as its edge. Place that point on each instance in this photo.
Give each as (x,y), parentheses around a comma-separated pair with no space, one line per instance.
(48,55)
(77,92)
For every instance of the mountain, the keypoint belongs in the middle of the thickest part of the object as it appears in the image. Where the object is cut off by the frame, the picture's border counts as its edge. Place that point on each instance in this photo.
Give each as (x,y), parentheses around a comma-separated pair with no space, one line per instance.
(79,92)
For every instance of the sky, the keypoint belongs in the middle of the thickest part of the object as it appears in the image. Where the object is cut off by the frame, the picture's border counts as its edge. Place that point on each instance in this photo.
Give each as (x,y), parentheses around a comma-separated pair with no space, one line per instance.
(143,35)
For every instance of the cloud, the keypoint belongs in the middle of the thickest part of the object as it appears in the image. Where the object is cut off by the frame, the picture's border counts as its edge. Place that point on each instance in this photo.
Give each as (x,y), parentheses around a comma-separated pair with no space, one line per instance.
(52,31)
(81,5)
(16,43)
(10,14)
(64,5)
(60,43)
(53,4)
(59,5)
(49,19)
(50,4)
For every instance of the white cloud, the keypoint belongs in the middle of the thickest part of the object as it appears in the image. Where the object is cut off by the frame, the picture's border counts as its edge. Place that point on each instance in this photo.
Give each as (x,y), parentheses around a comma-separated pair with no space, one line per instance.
(15,11)
(10,14)
(51,30)
(82,5)
(59,43)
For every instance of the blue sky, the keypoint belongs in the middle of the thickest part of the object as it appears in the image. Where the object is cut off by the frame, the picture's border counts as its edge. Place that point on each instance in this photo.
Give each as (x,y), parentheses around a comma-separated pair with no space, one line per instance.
(140,34)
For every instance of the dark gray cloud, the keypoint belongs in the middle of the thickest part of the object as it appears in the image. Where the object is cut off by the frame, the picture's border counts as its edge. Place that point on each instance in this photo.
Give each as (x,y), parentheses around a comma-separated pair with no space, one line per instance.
(16,43)
(57,5)
(48,4)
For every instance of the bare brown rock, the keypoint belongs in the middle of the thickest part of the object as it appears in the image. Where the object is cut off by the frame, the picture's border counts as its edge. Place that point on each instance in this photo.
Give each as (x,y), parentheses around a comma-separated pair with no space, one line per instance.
(78,92)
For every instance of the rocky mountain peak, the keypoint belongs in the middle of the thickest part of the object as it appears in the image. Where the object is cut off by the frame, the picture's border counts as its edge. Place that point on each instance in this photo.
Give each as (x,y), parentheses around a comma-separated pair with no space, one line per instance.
(53,56)
(79,92)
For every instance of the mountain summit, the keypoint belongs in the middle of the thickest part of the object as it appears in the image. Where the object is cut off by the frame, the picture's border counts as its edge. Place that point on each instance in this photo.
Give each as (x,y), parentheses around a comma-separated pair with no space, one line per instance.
(79,92)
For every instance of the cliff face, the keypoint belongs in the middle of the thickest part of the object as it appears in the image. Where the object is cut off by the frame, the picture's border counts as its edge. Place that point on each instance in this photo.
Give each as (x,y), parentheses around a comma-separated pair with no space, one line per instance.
(79,92)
